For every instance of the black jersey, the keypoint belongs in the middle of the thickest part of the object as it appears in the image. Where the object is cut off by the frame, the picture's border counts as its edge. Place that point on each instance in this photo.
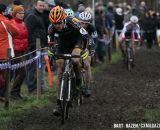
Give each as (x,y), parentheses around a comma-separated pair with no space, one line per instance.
(91,29)
(70,33)
(70,36)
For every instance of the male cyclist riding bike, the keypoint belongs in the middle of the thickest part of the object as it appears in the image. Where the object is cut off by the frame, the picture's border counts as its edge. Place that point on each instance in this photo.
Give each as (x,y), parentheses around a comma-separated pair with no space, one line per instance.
(70,37)
(131,27)
(85,21)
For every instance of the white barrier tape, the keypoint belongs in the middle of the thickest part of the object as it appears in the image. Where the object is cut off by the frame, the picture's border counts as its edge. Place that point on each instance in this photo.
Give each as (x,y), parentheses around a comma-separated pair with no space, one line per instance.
(24,63)
(7,65)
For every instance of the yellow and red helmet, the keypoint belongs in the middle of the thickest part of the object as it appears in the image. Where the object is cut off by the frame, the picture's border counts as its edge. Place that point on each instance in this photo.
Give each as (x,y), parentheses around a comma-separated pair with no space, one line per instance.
(57,14)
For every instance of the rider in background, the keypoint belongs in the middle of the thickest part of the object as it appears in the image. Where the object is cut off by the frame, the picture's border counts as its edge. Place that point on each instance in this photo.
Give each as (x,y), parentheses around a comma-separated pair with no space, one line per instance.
(69,35)
(85,21)
(129,28)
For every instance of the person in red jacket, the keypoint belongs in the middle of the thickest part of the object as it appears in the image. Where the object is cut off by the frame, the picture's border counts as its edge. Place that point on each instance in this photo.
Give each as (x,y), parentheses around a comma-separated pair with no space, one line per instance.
(5,27)
(20,48)
(10,27)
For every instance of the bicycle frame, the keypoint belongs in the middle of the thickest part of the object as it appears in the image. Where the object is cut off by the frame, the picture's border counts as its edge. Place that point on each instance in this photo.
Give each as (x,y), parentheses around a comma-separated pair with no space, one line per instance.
(67,70)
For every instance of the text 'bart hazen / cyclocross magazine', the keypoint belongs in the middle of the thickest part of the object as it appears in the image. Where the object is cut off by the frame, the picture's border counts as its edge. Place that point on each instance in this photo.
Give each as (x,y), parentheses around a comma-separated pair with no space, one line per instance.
(136,125)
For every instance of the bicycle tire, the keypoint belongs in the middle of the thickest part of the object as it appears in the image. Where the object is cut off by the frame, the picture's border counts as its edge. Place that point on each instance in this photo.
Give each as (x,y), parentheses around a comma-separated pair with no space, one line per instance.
(79,92)
(83,87)
(64,102)
(130,58)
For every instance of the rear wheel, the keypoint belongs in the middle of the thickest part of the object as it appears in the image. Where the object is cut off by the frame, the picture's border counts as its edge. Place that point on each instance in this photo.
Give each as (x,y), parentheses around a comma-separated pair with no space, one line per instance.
(82,88)
(80,98)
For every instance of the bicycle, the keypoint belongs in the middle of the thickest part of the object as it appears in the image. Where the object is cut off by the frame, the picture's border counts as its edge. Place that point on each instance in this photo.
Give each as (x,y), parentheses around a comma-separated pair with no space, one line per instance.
(69,91)
(129,51)
(129,55)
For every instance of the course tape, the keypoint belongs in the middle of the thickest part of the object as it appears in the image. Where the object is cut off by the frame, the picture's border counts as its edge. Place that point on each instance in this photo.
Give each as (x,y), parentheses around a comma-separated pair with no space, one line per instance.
(7,65)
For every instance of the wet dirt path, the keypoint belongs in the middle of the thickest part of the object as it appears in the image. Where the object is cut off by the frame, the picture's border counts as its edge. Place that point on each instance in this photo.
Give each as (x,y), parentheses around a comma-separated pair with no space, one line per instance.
(118,96)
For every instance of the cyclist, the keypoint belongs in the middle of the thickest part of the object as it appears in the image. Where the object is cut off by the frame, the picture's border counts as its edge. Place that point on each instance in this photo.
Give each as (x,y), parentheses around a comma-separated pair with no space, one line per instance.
(68,34)
(85,21)
(129,28)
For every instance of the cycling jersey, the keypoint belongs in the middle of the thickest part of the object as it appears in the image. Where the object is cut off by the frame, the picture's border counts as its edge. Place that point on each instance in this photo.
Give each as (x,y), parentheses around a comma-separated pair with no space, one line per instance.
(70,36)
(128,28)
(93,33)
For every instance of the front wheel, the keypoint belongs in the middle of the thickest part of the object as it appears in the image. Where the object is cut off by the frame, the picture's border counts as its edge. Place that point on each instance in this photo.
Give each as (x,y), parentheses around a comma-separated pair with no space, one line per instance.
(129,58)
(64,97)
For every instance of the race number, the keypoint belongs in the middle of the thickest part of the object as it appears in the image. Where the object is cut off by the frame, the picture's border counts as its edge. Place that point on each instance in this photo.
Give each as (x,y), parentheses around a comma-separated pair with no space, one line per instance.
(83,31)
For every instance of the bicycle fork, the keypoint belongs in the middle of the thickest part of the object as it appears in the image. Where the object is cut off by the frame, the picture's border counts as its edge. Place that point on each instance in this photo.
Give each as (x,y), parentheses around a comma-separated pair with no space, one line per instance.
(129,54)
(68,87)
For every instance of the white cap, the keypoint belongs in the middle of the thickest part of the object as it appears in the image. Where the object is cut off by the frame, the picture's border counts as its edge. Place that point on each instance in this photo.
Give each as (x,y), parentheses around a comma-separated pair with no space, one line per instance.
(50,2)
(119,11)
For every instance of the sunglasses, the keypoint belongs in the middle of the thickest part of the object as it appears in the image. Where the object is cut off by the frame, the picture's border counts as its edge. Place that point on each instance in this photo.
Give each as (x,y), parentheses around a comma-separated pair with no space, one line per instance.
(84,23)
(57,24)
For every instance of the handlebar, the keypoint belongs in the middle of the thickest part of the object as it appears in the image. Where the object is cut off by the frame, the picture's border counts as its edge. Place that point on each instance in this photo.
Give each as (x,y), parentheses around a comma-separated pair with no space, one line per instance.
(128,40)
(67,56)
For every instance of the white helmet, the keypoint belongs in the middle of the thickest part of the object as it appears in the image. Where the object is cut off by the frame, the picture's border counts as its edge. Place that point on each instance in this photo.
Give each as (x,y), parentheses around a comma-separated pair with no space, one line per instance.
(69,12)
(85,16)
(134,19)
(119,11)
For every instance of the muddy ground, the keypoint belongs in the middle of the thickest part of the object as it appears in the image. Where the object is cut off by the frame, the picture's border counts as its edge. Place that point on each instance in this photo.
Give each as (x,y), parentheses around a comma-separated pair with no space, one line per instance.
(118,96)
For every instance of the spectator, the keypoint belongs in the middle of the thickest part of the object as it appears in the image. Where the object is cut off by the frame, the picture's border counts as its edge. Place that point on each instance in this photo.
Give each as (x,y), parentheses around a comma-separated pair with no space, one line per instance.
(149,26)
(99,23)
(119,17)
(20,48)
(127,13)
(142,10)
(49,4)
(109,18)
(10,8)
(6,26)
(81,8)
(36,29)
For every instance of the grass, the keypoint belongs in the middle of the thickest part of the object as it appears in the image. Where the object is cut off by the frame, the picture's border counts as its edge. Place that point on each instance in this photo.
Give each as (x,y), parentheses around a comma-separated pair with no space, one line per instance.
(116,56)
(152,115)
(19,108)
